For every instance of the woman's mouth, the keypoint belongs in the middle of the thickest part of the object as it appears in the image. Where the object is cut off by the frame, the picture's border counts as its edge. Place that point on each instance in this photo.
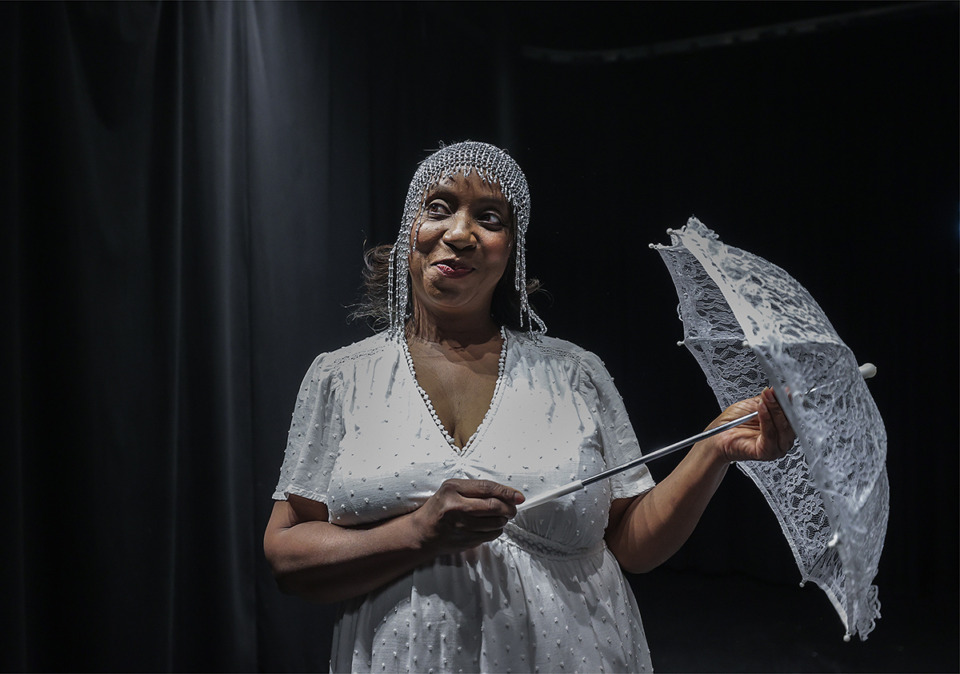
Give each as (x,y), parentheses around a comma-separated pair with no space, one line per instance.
(452,269)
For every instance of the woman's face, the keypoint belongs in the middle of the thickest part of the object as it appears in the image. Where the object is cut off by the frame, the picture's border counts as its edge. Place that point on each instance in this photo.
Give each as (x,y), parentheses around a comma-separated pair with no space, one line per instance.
(460,247)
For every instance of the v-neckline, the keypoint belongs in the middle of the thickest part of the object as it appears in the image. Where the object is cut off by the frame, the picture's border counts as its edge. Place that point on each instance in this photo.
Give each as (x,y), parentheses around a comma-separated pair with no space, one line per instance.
(428,403)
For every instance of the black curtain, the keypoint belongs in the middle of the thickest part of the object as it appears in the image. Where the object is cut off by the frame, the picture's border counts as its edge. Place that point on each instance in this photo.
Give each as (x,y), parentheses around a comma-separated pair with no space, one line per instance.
(186,193)
(174,167)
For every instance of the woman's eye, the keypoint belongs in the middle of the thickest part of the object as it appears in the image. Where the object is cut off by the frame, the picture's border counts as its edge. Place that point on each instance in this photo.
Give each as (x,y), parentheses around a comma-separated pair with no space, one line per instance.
(437,208)
(491,219)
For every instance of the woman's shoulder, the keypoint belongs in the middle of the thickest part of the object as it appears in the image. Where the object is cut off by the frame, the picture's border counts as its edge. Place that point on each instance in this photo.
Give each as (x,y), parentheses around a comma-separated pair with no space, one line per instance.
(364,349)
(551,347)
(563,353)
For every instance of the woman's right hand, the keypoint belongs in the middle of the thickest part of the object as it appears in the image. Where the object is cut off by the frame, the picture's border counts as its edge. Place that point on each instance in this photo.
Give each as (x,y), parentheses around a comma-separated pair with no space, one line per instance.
(462,514)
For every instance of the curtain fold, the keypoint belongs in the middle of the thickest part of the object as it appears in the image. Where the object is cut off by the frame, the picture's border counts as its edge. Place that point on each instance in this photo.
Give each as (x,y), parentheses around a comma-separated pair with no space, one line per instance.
(14,608)
(135,266)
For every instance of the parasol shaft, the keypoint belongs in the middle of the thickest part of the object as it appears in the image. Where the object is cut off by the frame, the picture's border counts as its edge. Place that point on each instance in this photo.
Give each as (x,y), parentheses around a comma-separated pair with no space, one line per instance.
(577,485)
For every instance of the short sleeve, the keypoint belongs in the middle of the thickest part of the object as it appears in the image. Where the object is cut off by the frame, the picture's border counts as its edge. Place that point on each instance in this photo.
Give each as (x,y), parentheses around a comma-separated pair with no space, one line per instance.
(313,440)
(619,440)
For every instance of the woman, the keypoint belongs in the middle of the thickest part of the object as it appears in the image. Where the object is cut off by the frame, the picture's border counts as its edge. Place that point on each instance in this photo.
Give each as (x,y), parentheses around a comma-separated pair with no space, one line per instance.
(409,452)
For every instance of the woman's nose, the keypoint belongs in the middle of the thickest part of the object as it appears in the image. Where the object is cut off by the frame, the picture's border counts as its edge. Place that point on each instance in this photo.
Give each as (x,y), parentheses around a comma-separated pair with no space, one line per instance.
(460,233)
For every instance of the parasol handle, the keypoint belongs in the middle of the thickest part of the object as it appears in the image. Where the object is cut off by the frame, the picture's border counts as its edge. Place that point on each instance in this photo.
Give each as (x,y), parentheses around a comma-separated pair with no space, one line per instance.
(568,488)
(577,485)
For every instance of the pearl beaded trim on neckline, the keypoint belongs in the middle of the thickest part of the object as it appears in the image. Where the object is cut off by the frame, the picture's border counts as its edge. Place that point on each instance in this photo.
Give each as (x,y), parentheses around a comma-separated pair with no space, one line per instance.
(429,403)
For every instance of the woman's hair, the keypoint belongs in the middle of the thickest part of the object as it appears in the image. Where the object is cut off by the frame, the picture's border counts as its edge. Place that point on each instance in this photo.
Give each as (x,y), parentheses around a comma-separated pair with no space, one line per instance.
(374,306)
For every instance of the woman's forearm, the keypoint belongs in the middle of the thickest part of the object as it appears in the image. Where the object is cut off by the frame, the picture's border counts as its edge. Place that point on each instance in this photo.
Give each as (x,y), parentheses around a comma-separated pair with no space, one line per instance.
(327,563)
(645,532)
(648,530)
(322,561)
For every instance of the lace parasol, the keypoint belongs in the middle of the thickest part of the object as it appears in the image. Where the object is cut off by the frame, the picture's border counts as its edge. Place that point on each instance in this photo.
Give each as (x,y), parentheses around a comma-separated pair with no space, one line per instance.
(749,323)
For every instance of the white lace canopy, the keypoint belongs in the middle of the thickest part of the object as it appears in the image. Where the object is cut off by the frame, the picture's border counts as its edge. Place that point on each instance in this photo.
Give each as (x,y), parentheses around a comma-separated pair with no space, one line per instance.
(750,324)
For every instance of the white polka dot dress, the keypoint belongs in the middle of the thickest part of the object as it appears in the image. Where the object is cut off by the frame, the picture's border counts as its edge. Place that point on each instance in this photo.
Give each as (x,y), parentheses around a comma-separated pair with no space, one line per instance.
(547,596)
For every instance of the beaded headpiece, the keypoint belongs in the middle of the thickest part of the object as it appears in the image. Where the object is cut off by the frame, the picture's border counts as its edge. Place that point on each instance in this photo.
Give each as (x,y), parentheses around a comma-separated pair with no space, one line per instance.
(493,166)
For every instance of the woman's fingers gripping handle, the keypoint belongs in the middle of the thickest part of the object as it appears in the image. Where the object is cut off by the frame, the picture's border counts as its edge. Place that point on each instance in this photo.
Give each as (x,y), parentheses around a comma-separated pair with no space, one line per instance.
(462,514)
(777,434)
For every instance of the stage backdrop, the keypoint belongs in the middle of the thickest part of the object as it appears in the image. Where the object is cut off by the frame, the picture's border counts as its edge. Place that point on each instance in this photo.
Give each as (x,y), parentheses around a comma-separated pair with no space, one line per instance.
(186,193)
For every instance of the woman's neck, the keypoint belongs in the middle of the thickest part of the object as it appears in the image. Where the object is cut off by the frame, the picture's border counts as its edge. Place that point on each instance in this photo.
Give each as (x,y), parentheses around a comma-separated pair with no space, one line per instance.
(456,331)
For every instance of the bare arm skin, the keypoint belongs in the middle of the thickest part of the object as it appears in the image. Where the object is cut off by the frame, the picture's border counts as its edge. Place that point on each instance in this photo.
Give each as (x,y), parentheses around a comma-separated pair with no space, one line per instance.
(327,563)
(645,531)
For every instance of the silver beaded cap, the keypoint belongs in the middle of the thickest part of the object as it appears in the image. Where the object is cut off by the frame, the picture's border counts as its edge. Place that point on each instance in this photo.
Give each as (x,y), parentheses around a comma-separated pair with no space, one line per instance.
(494,166)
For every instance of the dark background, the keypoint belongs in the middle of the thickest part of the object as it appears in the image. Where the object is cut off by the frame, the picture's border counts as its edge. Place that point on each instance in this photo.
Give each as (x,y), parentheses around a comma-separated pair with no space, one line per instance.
(186,192)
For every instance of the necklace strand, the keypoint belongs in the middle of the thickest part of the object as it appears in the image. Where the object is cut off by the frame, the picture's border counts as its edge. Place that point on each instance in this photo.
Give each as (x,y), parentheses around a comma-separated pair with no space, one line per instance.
(429,403)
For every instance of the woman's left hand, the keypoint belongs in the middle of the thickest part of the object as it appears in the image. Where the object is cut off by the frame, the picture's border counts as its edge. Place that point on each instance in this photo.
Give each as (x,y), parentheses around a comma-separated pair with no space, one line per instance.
(767,437)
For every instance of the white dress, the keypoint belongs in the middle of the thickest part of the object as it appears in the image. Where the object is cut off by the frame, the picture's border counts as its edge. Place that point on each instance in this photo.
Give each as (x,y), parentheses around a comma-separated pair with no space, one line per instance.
(547,595)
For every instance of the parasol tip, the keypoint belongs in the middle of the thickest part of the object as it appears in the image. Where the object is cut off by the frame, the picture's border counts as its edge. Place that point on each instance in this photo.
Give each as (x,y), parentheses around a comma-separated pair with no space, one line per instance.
(868,370)
(846,637)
